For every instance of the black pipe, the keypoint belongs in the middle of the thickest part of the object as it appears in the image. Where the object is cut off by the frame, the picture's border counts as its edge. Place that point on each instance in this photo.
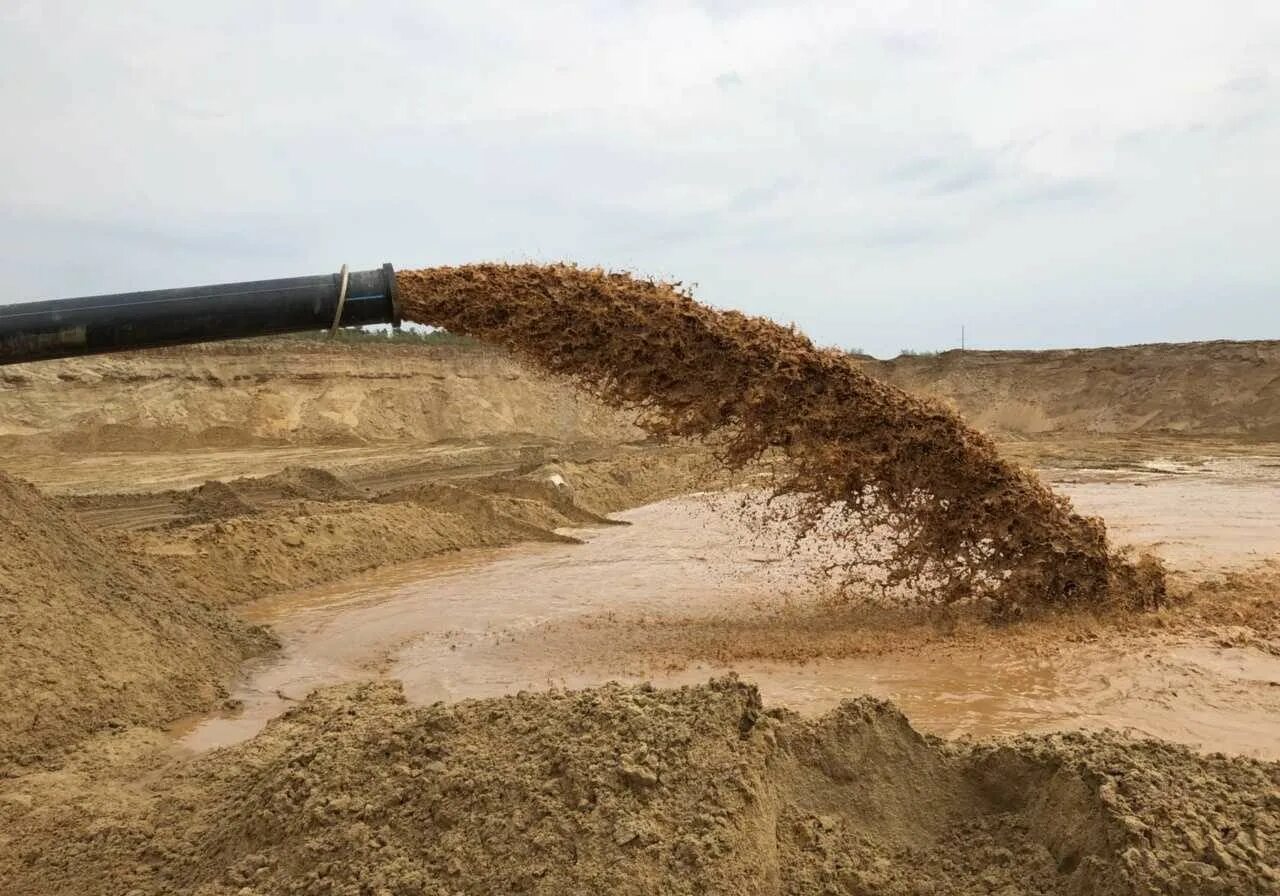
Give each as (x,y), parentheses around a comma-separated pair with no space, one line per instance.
(95,324)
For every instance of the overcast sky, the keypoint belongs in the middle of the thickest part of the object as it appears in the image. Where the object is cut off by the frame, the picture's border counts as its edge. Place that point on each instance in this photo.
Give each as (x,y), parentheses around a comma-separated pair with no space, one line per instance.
(1045,173)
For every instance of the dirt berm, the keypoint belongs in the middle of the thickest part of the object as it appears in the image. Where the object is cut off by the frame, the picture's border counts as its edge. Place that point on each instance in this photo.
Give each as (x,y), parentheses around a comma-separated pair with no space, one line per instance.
(253,537)
(93,640)
(635,790)
(1197,388)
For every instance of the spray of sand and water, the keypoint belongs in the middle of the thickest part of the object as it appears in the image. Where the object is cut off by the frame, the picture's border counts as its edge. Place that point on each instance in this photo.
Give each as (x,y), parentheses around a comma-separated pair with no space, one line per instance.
(912,490)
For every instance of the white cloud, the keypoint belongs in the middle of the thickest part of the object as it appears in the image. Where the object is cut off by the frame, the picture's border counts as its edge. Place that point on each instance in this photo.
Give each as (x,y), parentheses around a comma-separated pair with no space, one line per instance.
(879,172)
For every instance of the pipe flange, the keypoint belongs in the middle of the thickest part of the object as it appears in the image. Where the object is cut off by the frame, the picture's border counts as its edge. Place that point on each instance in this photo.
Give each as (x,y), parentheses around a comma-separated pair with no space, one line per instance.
(393,294)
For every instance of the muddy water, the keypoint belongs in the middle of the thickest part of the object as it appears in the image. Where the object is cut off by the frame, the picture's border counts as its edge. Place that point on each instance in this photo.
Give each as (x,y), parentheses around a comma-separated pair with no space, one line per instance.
(1201,516)
(476,625)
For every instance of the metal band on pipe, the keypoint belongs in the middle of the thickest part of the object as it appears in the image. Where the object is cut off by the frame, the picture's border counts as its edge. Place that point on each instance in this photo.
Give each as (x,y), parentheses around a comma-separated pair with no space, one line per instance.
(342,300)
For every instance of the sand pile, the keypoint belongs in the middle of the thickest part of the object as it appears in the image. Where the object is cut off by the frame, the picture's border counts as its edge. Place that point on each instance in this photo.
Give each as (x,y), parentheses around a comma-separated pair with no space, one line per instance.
(214,500)
(92,641)
(243,558)
(307,483)
(635,790)
(928,498)
(250,538)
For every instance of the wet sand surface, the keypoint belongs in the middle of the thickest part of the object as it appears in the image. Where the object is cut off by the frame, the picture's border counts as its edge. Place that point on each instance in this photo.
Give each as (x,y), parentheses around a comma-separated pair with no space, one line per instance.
(474,625)
(1198,516)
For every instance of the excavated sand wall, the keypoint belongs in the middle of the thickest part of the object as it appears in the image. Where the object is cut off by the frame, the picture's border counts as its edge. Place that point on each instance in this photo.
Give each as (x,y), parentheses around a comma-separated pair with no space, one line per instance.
(289,392)
(1219,389)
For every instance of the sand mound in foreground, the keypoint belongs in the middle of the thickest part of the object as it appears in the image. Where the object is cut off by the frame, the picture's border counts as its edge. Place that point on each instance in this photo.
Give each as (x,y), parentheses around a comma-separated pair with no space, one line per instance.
(930,498)
(697,790)
(91,641)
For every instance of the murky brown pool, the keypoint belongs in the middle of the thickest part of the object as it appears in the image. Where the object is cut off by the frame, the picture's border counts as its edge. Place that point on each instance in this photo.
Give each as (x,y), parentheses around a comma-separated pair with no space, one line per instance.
(472,625)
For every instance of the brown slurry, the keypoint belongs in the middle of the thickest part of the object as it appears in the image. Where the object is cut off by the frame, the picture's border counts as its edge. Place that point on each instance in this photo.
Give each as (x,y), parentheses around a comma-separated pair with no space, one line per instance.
(960,521)
(636,790)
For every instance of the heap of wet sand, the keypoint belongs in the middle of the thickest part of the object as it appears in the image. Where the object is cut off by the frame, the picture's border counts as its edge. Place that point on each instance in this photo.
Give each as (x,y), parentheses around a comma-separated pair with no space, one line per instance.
(91,640)
(636,790)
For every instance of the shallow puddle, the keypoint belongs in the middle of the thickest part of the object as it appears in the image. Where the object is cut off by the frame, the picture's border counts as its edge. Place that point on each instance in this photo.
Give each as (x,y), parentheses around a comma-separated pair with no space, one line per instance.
(469,626)
(1210,698)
